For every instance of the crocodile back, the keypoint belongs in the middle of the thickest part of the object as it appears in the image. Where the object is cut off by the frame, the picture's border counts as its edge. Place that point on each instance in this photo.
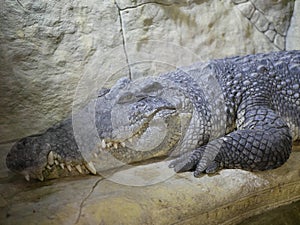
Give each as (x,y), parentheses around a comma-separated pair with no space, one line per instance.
(269,80)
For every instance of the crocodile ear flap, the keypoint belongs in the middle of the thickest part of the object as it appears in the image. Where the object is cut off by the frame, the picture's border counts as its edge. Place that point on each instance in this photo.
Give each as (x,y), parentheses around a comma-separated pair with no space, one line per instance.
(152,87)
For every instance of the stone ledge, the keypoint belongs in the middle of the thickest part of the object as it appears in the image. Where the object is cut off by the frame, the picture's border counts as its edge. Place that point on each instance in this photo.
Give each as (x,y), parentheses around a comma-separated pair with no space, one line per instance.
(227,198)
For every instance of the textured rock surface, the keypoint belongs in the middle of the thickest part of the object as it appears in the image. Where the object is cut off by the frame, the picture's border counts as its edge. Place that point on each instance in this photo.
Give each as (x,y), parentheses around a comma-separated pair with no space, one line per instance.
(293,35)
(45,46)
(4,148)
(286,214)
(225,198)
(265,18)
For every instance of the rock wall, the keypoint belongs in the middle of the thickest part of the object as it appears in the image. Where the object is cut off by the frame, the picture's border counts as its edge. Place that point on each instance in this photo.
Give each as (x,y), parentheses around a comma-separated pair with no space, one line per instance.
(52,51)
(45,46)
(293,34)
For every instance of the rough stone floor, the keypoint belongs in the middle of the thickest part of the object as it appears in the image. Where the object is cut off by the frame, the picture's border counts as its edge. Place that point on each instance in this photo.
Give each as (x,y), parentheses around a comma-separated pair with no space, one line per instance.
(225,198)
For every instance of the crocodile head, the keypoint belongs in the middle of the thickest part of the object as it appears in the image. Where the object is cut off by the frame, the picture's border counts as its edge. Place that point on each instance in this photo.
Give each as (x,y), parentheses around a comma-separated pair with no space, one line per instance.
(51,154)
(144,119)
(20,158)
(134,120)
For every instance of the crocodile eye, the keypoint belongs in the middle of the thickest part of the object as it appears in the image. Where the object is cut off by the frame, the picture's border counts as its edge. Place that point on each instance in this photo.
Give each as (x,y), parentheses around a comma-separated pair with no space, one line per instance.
(153,87)
(126,98)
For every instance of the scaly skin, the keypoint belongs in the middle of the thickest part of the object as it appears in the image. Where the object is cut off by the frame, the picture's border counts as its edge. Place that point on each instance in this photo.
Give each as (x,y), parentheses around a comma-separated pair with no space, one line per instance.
(240,112)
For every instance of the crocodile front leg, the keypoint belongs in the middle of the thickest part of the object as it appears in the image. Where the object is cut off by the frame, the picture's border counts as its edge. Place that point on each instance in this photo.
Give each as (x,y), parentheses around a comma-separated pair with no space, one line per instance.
(262,142)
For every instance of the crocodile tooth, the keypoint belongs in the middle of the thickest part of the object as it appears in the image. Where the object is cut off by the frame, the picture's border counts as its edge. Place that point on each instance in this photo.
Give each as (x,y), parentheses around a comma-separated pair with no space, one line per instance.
(103,144)
(78,167)
(178,133)
(123,144)
(90,166)
(40,177)
(48,167)
(130,140)
(27,177)
(54,155)
(58,157)
(56,162)
(69,167)
(95,155)
(116,145)
(50,158)
(62,166)
(109,144)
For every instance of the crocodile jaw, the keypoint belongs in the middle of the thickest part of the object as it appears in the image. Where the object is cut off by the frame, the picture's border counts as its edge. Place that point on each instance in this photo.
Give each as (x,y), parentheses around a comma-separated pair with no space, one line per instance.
(35,159)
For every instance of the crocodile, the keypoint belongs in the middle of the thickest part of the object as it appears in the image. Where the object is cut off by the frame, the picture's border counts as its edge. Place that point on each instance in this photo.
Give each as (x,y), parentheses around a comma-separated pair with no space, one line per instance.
(238,112)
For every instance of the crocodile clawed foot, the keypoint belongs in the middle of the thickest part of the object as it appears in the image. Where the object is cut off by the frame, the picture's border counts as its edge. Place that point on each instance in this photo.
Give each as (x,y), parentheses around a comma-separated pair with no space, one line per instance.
(187,161)
(194,161)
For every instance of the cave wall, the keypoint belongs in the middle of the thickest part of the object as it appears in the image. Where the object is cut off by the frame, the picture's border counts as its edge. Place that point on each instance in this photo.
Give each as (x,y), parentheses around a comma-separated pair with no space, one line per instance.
(54,51)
